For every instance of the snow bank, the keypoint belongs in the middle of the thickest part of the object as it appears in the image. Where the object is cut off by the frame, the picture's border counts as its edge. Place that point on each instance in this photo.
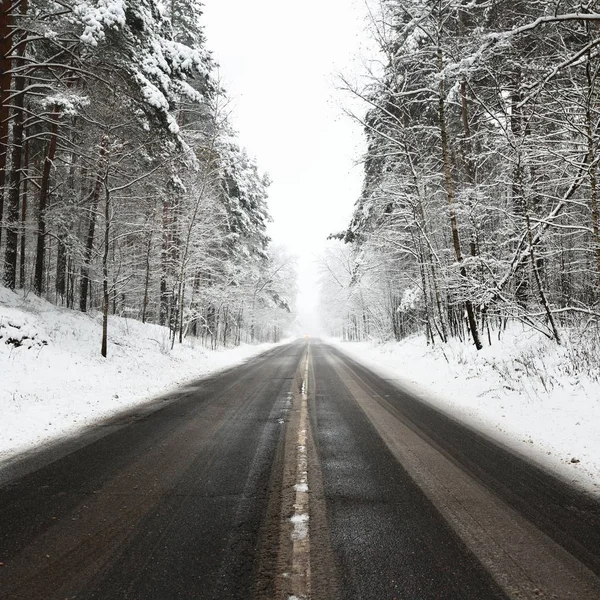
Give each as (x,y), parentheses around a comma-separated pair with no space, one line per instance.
(541,400)
(53,380)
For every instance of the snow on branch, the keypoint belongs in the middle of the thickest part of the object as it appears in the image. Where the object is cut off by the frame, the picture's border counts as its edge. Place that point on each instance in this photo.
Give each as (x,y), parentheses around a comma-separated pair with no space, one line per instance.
(503,38)
(96,18)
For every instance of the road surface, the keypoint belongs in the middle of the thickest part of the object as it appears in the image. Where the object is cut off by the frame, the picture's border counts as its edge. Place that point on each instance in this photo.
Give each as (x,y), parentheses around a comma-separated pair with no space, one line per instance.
(299,474)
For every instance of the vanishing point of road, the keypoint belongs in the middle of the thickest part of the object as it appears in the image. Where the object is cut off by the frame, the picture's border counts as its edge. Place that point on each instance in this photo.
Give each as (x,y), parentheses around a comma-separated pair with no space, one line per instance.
(299,475)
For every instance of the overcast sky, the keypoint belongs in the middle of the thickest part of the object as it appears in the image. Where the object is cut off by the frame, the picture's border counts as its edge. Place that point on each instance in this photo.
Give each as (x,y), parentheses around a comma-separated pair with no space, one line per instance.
(278,61)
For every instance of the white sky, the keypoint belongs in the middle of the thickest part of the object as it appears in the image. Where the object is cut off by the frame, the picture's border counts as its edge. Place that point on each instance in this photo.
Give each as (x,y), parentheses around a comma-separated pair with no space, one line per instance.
(279,62)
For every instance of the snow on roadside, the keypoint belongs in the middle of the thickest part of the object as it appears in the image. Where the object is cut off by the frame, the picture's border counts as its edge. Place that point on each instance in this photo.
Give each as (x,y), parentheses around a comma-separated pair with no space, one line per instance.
(53,381)
(521,390)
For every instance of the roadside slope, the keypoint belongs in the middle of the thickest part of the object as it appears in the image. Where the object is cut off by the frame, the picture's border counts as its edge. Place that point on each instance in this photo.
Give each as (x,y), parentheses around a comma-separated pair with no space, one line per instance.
(55,383)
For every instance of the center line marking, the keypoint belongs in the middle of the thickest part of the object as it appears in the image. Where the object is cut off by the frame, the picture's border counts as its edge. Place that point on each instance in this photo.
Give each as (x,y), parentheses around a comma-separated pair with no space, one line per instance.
(300,577)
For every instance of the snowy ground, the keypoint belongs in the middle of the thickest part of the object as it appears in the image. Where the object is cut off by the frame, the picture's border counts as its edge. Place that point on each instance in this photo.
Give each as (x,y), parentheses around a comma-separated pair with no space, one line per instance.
(539,399)
(54,382)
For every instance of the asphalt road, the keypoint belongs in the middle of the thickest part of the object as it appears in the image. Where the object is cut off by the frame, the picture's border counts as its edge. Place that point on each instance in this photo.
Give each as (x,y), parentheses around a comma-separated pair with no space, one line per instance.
(193,496)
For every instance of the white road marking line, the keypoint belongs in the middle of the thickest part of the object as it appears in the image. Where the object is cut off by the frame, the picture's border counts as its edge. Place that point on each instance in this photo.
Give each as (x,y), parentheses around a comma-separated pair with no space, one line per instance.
(300,575)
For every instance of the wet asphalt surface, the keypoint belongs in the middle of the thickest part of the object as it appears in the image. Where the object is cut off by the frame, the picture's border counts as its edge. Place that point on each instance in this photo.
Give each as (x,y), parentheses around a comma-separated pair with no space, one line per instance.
(174,503)
(193,537)
(565,514)
(390,540)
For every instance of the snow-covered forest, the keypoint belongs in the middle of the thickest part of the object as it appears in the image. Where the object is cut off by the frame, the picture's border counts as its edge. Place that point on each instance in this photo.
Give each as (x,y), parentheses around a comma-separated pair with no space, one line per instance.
(480,199)
(123,186)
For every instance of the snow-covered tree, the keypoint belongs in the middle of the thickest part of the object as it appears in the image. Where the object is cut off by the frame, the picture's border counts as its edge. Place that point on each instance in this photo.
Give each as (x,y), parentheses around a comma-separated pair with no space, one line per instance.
(480,174)
(124,187)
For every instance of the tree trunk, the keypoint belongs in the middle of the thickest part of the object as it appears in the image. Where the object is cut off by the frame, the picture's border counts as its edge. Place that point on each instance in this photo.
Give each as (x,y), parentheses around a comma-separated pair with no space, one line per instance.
(450,197)
(38,280)
(5,90)
(15,175)
(467,149)
(61,269)
(538,280)
(84,283)
(105,294)
(428,328)
(23,218)
(164,263)
(592,170)
(517,185)
(225,326)
(61,250)
(147,277)
(253,318)
(70,283)
(239,323)
(428,255)
(181,304)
